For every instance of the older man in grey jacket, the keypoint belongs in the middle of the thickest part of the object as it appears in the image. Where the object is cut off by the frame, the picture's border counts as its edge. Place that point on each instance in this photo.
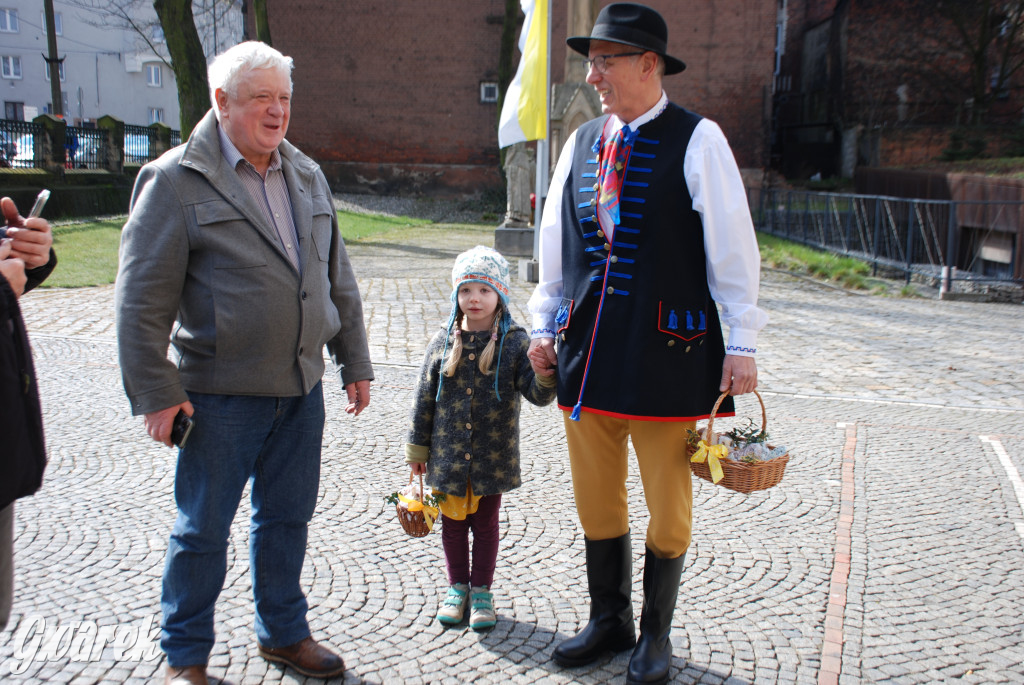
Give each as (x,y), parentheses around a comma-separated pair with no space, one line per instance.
(232,253)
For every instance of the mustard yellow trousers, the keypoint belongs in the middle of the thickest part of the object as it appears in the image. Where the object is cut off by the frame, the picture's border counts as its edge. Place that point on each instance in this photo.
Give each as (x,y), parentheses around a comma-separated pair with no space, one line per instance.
(598,452)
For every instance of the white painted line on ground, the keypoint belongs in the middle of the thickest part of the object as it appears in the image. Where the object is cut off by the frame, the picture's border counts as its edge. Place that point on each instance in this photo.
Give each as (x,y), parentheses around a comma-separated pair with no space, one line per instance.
(1013,474)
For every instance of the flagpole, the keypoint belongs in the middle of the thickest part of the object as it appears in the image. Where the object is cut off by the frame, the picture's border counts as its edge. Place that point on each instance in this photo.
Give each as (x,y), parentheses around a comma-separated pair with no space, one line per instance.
(543,146)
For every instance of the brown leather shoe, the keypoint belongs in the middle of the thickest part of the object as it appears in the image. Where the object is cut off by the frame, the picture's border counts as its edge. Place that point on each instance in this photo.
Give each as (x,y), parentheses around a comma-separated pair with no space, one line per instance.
(306,657)
(186,675)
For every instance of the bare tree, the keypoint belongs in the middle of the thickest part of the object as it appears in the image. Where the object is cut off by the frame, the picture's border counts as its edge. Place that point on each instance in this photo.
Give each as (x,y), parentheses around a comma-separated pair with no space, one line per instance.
(131,15)
(945,60)
(989,34)
(183,34)
(187,60)
(262,22)
(218,22)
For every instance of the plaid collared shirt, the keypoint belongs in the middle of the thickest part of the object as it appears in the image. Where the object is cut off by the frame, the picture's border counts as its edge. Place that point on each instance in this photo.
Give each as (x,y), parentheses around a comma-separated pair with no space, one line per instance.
(270,193)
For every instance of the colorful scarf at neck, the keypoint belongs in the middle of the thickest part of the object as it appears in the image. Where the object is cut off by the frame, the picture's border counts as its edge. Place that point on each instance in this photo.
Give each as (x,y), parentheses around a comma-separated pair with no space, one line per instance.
(611,170)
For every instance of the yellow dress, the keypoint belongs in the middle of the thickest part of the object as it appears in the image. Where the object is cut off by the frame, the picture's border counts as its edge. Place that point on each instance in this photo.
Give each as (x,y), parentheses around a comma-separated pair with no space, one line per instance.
(457,507)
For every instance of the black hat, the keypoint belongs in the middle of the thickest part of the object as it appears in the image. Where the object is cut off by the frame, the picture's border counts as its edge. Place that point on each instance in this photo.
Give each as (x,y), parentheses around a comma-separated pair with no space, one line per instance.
(630,24)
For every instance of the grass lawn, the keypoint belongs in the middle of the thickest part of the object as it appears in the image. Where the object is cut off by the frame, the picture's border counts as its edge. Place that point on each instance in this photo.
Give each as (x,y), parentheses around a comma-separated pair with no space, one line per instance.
(87,252)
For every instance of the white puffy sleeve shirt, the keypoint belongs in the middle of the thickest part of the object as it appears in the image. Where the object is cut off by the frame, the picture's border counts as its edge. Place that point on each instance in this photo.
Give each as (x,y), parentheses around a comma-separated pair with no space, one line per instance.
(733,259)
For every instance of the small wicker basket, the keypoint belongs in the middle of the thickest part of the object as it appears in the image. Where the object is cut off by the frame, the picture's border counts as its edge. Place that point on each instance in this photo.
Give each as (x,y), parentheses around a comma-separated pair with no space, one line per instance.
(740,476)
(413,522)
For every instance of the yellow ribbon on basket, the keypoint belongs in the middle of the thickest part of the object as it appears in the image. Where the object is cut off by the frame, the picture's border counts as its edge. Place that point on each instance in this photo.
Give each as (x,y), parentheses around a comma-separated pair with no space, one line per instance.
(429,512)
(713,454)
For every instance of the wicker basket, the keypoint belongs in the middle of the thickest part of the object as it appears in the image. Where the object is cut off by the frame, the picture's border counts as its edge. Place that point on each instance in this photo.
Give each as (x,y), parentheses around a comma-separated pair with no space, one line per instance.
(413,522)
(740,476)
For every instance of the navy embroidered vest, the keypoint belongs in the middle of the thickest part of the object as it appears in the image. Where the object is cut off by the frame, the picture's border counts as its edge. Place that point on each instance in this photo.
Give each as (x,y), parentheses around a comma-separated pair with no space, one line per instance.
(638,332)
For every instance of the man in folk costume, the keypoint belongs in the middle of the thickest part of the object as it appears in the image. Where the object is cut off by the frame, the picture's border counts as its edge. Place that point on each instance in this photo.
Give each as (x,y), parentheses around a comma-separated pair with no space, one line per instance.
(646,228)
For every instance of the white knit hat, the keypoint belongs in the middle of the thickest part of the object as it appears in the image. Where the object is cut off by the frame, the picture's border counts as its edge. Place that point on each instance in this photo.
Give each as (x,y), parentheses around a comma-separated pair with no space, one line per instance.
(481,265)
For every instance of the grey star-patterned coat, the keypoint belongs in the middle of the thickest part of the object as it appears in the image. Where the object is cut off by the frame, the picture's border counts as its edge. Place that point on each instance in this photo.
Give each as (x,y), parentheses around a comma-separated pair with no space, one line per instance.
(470,433)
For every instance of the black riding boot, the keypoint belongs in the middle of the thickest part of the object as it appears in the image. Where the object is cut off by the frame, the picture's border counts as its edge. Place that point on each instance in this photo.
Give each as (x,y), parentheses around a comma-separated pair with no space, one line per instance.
(653,654)
(610,629)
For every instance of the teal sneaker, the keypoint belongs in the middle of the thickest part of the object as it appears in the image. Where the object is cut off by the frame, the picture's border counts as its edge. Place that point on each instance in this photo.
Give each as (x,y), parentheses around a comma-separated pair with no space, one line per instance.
(481,609)
(453,608)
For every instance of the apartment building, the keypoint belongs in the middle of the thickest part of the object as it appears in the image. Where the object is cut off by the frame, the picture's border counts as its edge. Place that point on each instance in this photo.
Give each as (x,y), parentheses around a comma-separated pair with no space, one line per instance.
(107,67)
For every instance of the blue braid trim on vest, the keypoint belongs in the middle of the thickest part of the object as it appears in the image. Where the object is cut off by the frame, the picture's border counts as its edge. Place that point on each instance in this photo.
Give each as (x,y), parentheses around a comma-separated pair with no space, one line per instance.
(649,141)
(628,246)
(638,200)
(632,216)
(641,170)
(583,204)
(626,229)
(589,174)
(643,155)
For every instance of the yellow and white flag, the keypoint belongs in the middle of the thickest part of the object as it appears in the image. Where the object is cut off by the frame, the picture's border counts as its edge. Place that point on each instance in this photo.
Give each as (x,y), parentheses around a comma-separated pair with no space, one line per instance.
(524,114)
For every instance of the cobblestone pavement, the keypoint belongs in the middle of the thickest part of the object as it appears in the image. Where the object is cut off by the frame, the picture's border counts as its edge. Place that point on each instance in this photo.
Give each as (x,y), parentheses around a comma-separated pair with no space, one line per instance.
(893,550)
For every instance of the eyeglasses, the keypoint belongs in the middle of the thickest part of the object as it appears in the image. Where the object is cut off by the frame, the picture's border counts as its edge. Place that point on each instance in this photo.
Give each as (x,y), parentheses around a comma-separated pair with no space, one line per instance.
(600,62)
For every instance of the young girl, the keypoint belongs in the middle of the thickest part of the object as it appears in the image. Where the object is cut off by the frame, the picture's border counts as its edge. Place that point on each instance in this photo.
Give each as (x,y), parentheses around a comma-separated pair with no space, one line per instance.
(465,426)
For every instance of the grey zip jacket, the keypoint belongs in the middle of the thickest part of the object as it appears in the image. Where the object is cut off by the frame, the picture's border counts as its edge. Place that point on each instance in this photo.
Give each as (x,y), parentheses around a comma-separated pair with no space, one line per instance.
(202,268)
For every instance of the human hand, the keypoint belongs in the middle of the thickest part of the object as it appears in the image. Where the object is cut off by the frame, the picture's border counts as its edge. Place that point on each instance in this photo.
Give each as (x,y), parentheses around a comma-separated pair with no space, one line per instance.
(160,423)
(739,375)
(12,268)
(31,238)
(418,469)
(358,397)
(543,357)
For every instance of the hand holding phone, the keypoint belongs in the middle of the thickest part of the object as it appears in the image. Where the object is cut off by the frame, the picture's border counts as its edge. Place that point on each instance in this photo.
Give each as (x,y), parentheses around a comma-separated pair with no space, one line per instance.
(37,207)
(182,428)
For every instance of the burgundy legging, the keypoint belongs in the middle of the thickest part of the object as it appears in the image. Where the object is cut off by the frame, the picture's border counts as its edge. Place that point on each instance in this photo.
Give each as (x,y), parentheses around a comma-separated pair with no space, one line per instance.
(455,538)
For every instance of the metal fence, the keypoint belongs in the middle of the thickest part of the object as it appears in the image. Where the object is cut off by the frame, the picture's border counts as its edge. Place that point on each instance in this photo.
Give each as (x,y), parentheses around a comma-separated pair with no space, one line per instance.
(17,144)
(936,241)
(85,148)
(137,141)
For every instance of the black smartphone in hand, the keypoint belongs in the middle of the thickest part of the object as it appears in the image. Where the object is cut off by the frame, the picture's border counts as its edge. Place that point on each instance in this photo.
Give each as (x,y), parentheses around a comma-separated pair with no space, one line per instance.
(182,427)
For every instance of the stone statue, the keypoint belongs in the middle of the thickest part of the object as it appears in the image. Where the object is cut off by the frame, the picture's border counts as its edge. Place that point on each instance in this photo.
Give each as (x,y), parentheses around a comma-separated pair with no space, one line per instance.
(520,171)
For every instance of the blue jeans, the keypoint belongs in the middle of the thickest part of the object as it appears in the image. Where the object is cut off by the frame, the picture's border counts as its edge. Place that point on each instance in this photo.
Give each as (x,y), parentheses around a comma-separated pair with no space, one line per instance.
(275,443)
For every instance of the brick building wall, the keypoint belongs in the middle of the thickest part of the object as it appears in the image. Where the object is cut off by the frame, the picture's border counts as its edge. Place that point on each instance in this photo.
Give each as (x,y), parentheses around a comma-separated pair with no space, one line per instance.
(387,95)
(897,82)
(729,48)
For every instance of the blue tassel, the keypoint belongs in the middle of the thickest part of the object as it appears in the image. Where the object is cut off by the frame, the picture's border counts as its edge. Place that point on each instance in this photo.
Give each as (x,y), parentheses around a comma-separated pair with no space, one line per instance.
(497,367)
(451,320)
(563,315)
(575,415)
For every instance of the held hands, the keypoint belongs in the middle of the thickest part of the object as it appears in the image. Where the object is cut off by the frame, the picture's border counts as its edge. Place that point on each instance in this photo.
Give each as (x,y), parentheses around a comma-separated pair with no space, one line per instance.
(159,423)
(739,375)
(30,238)
(358,397)
(542,356)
